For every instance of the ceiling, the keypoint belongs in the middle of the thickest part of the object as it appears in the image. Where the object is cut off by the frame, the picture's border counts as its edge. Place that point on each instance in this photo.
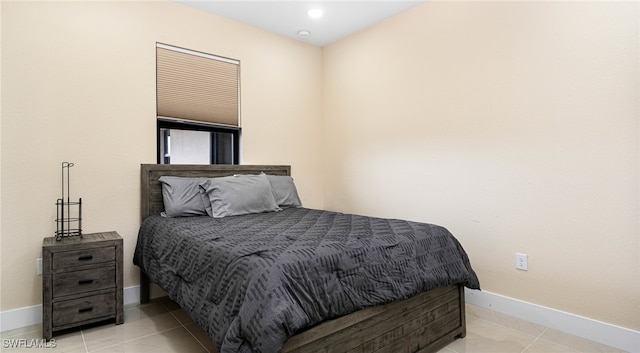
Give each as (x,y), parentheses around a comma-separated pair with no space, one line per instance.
(340,18)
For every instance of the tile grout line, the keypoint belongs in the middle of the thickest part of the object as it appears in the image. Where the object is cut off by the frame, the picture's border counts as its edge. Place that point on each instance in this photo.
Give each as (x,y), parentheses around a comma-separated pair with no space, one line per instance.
(133,339)
(86,349)
(185,327)
(513,329)
(144,336)
(535,339)
(196,338)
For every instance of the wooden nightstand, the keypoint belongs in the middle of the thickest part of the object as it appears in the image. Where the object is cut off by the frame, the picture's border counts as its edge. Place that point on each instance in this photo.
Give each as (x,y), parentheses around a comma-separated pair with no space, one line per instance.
(81,281)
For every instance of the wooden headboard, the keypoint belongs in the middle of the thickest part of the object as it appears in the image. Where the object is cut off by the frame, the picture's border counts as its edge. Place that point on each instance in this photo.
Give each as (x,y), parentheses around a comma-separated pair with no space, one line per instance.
(151,189)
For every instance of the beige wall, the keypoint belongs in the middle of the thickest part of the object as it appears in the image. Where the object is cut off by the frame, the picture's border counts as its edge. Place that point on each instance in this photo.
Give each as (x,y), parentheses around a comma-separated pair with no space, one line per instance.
(513,124)
(78,84)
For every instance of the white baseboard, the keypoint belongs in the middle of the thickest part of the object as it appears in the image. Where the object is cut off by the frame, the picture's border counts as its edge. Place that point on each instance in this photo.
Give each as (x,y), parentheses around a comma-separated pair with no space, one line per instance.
(598,331)
(594,330)
(22,317)
(131,295)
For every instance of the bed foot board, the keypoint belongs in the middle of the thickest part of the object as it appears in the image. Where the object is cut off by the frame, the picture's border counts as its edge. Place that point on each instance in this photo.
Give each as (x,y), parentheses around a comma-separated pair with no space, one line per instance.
(144,287)
(425,323)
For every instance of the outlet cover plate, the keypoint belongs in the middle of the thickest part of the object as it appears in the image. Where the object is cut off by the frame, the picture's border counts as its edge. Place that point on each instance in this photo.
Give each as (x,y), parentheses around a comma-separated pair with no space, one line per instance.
(522,262)
(39,266)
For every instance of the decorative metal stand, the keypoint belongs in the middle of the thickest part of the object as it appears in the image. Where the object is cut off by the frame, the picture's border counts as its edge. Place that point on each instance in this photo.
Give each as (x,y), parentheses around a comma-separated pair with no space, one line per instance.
(69,213)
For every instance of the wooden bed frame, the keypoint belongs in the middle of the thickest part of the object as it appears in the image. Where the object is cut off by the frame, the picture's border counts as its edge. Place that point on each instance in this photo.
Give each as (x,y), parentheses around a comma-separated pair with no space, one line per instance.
(425,323)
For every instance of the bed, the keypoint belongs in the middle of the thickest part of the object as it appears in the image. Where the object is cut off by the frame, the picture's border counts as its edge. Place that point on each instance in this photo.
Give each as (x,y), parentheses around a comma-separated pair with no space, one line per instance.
(422,321)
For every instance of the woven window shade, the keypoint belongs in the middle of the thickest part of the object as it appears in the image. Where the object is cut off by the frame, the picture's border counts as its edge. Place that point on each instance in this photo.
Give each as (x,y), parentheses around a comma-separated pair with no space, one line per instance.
(195,87)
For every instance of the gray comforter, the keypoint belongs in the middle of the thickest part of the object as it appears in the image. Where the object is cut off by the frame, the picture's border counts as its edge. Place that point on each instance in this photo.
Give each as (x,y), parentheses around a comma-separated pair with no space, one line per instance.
(252,281)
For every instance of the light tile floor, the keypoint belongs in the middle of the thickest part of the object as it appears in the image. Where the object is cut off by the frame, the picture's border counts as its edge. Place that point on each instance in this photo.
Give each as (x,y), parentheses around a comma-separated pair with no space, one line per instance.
(162,326)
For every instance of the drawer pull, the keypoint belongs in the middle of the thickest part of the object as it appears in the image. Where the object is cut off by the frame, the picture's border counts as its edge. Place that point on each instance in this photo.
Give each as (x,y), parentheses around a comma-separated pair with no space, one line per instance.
(85,281)
(85,258)
(85,310)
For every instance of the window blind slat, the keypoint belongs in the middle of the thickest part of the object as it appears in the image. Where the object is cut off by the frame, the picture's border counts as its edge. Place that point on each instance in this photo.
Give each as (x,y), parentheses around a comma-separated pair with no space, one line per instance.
(197,88)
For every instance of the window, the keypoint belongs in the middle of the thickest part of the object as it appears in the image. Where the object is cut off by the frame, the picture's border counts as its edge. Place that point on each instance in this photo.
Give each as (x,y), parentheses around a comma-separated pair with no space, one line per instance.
(198,107)
(192,143)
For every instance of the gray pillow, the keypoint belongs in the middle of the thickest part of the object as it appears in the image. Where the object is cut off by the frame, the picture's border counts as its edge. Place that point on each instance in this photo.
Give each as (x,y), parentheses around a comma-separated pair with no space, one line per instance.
(284,191)
(183,197)
(239,194)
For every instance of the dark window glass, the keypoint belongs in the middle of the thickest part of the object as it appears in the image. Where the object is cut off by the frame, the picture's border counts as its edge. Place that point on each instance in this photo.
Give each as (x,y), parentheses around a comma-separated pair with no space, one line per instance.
(194,143)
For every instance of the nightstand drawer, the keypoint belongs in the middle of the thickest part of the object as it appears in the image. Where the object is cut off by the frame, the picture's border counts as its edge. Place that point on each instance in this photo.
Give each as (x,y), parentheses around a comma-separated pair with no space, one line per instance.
(83,257)
(83,281)
(87,308)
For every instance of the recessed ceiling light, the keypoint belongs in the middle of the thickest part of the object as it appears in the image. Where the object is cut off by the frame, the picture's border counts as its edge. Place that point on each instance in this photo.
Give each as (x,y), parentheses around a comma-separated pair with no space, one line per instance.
(315,13)
(303,33)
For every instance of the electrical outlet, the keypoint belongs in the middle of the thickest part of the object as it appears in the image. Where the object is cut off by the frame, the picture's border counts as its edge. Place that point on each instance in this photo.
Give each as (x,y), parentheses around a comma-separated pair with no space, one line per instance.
(521,261)
(39,266)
